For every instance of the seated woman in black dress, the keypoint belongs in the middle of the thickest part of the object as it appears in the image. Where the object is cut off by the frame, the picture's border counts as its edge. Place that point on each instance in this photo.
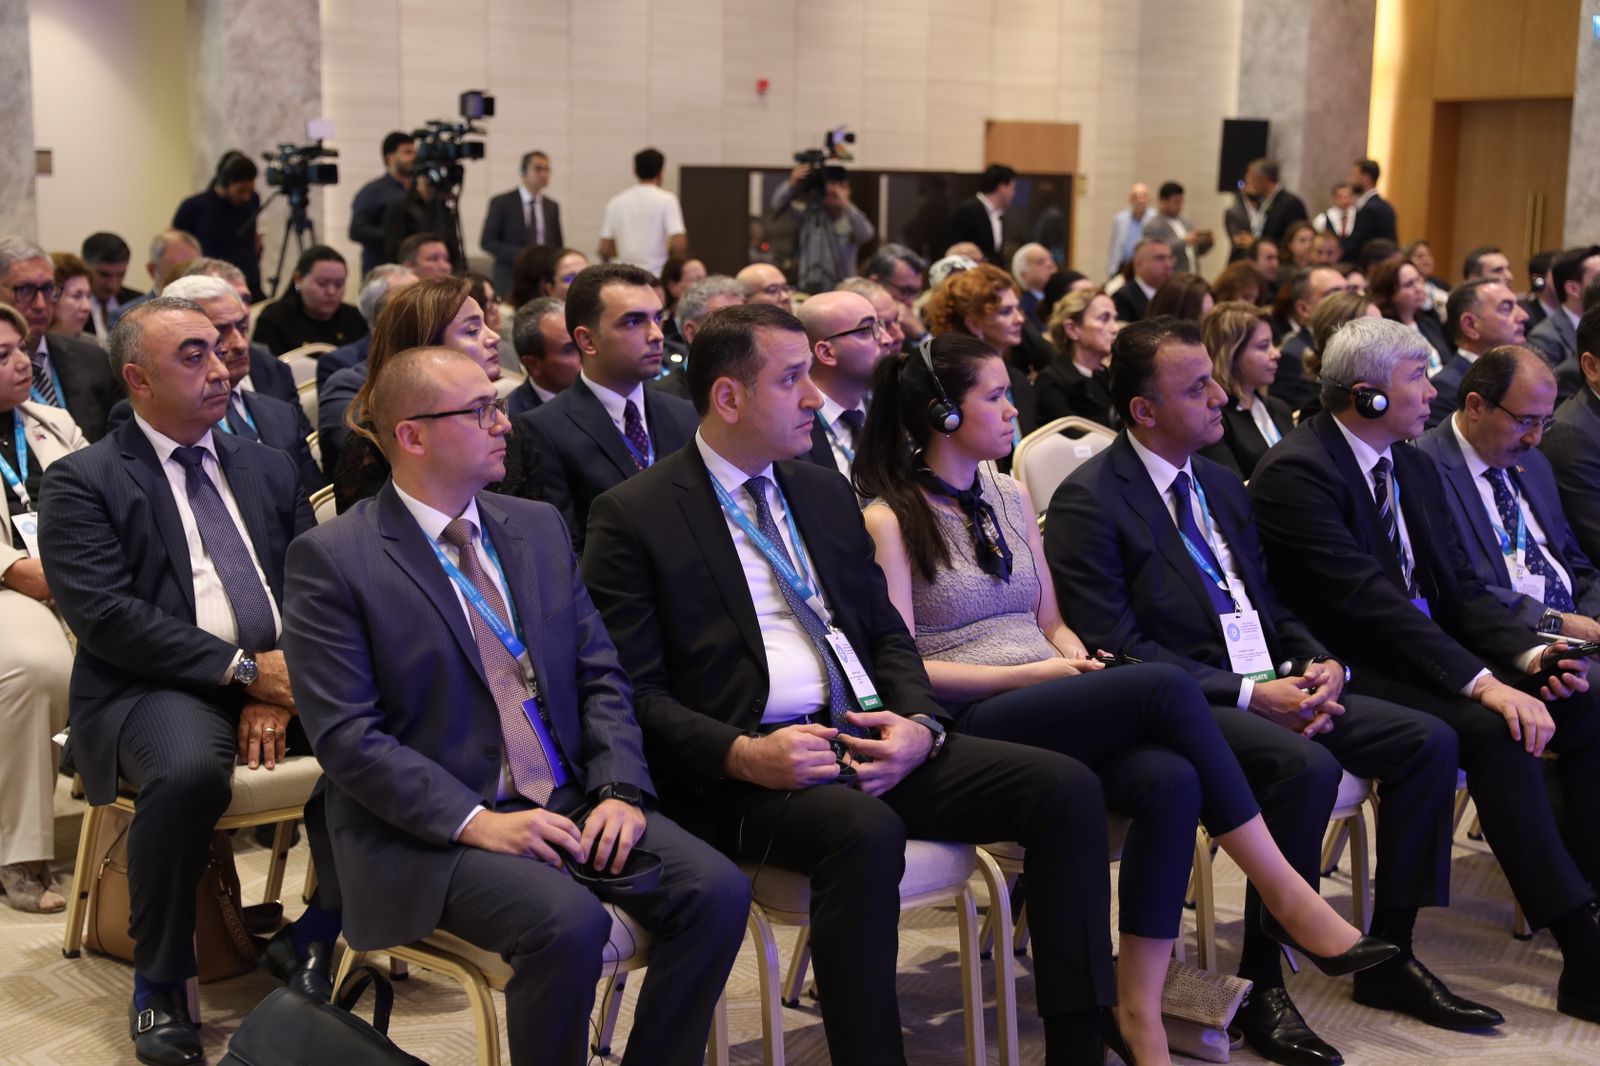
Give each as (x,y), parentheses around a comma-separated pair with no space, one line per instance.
(1082,326)
(436,312)
(964,563)
(1244,362)
(313,311)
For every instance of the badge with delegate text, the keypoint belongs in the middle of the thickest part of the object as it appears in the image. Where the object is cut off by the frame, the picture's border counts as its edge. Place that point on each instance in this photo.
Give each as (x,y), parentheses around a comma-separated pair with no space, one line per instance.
(1247,646)
(856,674)
(27,526)
(1526,584)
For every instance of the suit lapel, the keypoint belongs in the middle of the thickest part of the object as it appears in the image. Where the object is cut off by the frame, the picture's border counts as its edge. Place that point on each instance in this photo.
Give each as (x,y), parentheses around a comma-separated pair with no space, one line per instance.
(408,547)
(139,460)
(1140,493)
(589,415)
(1366,507)
(664,429)
(1459,479)
(709,529)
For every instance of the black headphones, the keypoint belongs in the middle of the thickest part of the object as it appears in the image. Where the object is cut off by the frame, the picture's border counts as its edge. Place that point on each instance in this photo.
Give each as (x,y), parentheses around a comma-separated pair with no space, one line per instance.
(943,416)
(1371,401)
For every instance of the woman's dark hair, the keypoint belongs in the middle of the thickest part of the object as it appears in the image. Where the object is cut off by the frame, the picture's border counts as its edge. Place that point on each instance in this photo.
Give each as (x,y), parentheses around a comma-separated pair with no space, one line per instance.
(1058,286)
(414,316)
(897,428)
(534,272)
(1182,296)
(1236,281)
(479,290)
(672,274)
(317,253)
(1383,282)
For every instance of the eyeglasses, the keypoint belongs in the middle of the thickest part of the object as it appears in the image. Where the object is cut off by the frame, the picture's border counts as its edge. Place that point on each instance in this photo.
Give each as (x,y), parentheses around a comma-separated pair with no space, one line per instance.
(1527,423)
(23,295)
(876,327)
(487,413)
(776,291)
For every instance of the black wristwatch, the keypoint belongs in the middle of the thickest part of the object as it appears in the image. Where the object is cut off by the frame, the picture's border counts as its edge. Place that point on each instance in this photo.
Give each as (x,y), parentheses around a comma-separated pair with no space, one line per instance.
(1331,659)
(245,671)
(632,795)
(932,725)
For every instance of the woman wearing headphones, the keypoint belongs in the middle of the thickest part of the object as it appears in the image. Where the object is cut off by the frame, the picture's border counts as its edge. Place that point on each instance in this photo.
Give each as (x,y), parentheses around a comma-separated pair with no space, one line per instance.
(965,566)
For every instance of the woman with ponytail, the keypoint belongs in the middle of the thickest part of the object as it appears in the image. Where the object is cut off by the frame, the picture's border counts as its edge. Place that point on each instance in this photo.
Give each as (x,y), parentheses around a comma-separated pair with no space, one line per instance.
(964,561)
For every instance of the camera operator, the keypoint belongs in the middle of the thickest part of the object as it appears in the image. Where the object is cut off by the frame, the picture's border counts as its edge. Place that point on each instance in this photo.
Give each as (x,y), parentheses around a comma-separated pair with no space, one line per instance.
(832,228)
(422,210)
(223,217)
(367,210)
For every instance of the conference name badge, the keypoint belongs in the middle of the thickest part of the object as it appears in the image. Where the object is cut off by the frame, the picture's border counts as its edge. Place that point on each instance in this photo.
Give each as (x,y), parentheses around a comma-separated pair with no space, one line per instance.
(854,672)
(27,527)
(1529,585)
(1247,646)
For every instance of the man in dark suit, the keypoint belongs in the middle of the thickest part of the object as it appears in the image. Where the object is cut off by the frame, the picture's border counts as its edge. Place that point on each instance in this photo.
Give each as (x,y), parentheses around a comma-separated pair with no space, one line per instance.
(978,219)
(164,546)
(1129,583)
(549,356)
(107,256)
(476,748)
(1359,542)
(1152,266)
(522,217)
(1482,314)
(847,340)
(1311,287)
(607,426)
(68,373)
(1573,443)
(1503,497)
(744,686)
(1271,207)
(268,374)
(1374,215)
(1573,276)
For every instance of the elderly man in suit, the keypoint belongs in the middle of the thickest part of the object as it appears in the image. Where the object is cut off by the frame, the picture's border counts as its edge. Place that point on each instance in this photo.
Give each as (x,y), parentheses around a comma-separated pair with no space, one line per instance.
(1482,315)
(1503,495)
(522,217)
(1129,583)
(164,545)
(1571,275)
(1127,226)
(1187,243)
(67,373)
(607,426)
(478,735)
(1360,543)
(757,686)
(547,353)
(1573,443)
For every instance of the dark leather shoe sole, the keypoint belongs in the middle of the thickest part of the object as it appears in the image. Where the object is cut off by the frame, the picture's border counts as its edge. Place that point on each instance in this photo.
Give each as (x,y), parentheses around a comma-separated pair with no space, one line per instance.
(1466,1020)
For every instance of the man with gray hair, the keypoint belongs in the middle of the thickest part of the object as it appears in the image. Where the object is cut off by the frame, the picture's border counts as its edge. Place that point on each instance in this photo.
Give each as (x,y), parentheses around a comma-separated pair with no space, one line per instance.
(67,373)
(1359,542)
(711,293)
(1032,266)
(380,281)
(549,357)
(170,251)
(268,375)
(899,269)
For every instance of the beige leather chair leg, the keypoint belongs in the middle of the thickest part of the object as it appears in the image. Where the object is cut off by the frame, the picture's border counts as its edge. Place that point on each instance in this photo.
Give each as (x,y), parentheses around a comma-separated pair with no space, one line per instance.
(717,1045)
(610,1007)
(1205,914)
(281,841)
(1462,796)
(348,961)
(767,970)
(1005,965)
(971,976)
(1333,846)
(1360,873)
(799,963)
(311,878)
(82,879)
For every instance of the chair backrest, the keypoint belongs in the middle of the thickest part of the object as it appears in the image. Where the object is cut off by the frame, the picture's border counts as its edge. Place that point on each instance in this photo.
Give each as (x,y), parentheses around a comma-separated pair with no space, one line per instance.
(506,385)
(314,443)
(302,361)
(322,503)
(1050,453)
(307,390)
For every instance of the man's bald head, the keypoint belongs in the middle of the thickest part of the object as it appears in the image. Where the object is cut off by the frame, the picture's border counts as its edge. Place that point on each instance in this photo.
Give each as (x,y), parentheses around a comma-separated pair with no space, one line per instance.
(828,313)
(405,385)
(764,283)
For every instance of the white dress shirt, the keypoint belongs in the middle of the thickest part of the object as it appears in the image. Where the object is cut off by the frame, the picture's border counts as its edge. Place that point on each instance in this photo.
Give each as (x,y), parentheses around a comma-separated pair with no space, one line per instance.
(545,395)
(212,610)
(995,214)
(840,433)
(795,671)
(616,404)
(1477,467)
(640,221)
(1264,424)
(1163,474)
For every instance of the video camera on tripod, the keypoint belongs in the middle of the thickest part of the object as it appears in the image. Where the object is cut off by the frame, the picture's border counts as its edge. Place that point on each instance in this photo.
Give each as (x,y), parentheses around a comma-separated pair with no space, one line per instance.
(292,170)
(835,146)
(443,144)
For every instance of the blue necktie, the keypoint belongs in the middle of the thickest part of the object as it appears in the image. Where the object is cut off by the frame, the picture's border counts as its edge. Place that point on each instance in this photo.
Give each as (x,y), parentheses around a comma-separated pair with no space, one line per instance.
(839,701)
(1556,596)
(252,611)
(1220,600)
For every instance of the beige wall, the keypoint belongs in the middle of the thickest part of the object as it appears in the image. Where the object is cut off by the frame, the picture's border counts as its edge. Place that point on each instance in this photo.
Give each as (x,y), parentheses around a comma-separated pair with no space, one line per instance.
(110,100)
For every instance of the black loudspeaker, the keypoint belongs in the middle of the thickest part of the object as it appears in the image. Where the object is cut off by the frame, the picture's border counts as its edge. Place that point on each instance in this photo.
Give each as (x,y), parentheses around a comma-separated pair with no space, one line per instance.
(1243,141)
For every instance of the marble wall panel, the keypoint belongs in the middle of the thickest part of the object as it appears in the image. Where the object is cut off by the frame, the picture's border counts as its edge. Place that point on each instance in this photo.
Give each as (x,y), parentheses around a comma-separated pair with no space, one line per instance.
(18,212)
(1582,224)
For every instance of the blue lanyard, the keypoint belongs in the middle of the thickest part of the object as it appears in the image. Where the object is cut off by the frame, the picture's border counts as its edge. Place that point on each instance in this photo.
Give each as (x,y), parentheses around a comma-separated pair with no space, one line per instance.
(244,409)
(644,459)
(838,441)
(55,379)
(1195,553)
(507,634)
(798,580)
(12,478)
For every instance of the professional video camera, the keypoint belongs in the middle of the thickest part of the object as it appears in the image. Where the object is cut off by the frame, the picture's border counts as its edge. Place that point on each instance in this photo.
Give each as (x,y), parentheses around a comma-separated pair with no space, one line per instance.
(835,146)
(442,144)
(294,166)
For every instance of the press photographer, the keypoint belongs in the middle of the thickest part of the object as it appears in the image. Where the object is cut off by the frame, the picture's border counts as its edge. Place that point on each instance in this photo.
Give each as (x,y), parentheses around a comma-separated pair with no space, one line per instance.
(831,228)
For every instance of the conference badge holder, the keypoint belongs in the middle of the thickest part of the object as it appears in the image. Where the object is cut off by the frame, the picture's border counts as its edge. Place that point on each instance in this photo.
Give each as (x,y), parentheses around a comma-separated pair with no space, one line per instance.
(27,527)
(1247,645)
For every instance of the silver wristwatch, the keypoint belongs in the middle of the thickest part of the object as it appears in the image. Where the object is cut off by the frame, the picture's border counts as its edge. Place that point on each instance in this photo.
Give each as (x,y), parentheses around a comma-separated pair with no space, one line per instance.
(245,671)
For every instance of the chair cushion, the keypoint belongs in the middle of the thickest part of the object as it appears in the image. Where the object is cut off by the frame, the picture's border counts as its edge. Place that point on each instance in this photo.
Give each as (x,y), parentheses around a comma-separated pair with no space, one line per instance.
(289,784)
(629,943)
(1353,791)
(930,865)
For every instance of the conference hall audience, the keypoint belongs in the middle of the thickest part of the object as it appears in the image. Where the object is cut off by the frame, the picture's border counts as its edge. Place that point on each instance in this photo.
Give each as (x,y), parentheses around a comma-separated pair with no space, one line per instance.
(1419,254)
(1076,382)
(1375,219)
(107,255)
(1061,283)
(765,284)
(643,224)
(544,270)
(884,305)
(1487,261)
(1266,258)
(1355,279)
(72,374)
(1244,361)
(313,311)
(372,200)
(983,302)
(1150,268)
(73,300)
(1573,443)
(1542,298)
(1340,216)
(676,277)
(847,341)
(178,673)
(390,614)
(422,210)
(546,351)
(899,269)
(1309,289)
(700,300)
(1572,273)
(1398,289)
(1182,296)
(696,566)
(1482,314)
(171,251)
(35,657)
(1297,243)
(1149,504)
(1238,281)
(1359,543)
(268,374)
(521,218)
(1187,243)
(375,288)
(1127,228)
(979,219)
(427,255)
(1326,248)
(1033,267)
(1331,313)
(222,217)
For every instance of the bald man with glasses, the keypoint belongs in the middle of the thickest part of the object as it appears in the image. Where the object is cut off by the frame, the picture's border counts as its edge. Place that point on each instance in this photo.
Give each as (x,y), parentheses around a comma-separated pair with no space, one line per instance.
(847,340)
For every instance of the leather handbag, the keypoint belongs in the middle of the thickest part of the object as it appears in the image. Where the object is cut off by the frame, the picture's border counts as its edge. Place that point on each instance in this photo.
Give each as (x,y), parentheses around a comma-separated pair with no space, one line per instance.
(289,1028)
(223,947)
(1196,1008)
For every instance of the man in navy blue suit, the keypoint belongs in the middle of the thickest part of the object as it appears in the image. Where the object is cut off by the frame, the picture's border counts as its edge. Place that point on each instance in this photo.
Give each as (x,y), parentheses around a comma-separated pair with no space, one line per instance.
(164,546)
(478,734)
(607,426)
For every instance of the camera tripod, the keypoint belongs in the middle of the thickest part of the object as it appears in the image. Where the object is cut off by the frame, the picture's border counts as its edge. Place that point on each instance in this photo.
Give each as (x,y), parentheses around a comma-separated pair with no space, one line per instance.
(298,225)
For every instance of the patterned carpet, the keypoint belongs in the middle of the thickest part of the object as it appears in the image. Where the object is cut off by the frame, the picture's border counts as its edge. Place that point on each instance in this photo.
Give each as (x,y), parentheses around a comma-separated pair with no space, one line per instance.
(73,1012)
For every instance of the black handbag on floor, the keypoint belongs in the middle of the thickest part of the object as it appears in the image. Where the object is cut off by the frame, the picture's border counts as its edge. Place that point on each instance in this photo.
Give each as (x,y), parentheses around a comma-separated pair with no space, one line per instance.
(289,1028)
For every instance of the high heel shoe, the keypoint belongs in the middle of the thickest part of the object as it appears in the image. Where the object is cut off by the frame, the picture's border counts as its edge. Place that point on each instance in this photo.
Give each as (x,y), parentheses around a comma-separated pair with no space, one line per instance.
(1365,953)
(1111,1038)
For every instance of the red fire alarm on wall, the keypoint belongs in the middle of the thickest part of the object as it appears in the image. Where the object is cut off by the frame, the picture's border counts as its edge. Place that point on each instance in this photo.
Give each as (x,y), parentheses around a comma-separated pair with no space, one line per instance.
(762,85)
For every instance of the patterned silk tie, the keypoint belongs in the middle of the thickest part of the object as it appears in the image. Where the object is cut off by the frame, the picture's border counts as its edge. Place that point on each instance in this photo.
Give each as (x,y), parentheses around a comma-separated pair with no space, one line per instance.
(1556,596)
(530,766)
(252,610)
(42,380)
(633,429)
(1391,526)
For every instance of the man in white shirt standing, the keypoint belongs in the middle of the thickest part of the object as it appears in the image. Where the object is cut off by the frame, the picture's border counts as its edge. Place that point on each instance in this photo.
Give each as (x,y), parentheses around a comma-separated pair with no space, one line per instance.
(644,225)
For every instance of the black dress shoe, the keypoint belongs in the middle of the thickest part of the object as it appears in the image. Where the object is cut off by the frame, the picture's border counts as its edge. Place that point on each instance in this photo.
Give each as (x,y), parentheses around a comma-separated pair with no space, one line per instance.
(1407,987)
(308,973)
(1578,998)
(1273,1027)
(1364,954)
(162,1033)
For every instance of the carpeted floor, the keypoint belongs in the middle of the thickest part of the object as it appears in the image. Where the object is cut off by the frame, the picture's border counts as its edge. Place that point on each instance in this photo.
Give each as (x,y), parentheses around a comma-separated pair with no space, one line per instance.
(74,1011)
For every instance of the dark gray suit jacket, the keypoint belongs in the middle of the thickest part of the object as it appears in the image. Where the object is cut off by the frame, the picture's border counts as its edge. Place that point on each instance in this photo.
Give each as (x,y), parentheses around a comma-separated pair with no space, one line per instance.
(393,694)
(118,563)
(1537,483)
(1573,448)
(505,235)
(1556,338)
(89,387)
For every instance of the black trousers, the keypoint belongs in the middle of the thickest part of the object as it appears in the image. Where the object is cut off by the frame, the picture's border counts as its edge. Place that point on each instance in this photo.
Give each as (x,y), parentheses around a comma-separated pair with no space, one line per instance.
(852,846)
(1296,781)
(1553,863)
(180,753)
(1148,732)
(552,931)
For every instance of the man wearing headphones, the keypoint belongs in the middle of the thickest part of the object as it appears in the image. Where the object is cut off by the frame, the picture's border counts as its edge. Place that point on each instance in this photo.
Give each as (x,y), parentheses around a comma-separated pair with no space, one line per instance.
(1360,543)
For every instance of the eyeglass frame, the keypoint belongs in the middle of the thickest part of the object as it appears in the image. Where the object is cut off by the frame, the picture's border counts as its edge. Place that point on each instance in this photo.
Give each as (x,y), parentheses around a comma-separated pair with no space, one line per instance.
(879,330)
(1526,423)
(50,291)
(497,405)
